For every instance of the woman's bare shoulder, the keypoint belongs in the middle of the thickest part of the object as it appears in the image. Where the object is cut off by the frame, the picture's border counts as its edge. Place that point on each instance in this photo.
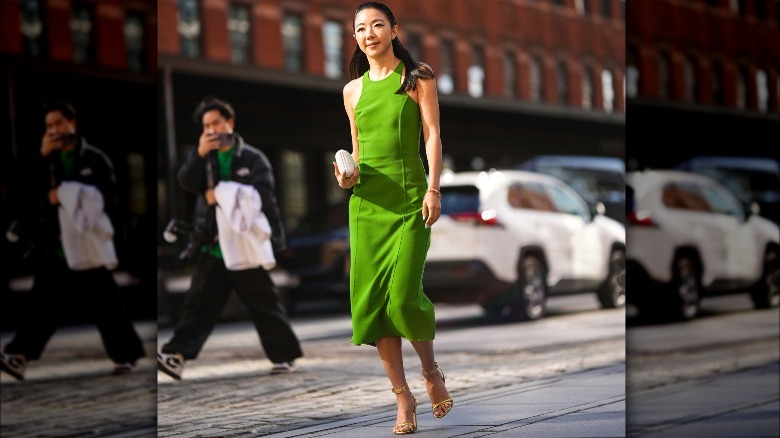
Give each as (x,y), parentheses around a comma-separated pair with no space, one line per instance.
(352,86)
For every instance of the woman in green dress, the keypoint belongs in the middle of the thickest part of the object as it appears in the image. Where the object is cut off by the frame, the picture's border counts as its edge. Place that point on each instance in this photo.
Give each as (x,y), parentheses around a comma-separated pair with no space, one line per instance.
(390,102)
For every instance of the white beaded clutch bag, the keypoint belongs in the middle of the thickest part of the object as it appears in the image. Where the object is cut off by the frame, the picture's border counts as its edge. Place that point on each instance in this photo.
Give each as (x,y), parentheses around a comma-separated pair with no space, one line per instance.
(345,162)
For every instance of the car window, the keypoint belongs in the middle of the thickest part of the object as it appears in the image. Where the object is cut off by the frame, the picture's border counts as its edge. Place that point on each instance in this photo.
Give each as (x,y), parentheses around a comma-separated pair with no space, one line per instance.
(529,196)
(565,203)
(721,202)
(684,196)
(459,199)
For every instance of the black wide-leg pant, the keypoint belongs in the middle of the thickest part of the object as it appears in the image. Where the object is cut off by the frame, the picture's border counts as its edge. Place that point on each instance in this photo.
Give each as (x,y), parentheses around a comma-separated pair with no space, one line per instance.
(211,285)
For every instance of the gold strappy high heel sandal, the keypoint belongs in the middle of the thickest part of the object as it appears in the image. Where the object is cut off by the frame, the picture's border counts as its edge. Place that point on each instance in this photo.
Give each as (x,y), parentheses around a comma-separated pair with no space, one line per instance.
(412,427)
(444,404)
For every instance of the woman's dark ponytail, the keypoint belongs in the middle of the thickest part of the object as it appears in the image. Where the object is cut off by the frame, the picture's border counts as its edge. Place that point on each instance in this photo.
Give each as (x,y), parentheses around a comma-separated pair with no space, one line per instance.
(358,65)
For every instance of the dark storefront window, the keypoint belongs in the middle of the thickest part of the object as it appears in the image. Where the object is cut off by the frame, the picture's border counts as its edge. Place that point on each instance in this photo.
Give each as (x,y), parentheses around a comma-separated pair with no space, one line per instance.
(292,38)
(32,28)
(717,82)
(189,27)
(606,8)
(239,27)
(664,75)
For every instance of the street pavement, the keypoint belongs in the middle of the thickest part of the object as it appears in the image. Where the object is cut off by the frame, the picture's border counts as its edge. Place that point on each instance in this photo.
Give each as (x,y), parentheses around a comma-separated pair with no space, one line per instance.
(532,388)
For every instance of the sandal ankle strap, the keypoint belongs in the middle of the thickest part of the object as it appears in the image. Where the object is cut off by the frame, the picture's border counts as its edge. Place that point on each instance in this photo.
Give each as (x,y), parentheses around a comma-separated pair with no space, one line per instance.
(435,369)
(399,390)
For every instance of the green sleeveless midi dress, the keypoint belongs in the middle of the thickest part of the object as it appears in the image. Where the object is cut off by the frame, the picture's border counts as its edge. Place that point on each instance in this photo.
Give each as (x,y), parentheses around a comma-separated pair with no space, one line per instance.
(388,239)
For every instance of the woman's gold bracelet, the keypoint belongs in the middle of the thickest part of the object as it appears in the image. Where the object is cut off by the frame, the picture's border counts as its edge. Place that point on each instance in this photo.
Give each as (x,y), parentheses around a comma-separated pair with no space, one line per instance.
(435,192)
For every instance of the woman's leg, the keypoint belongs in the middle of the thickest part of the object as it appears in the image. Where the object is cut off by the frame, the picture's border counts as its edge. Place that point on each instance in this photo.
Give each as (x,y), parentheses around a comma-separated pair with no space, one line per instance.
(434,380)
(392,358)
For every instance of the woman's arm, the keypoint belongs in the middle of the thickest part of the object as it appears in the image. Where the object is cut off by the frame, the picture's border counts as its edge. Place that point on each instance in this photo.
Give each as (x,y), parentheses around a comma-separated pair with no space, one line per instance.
(351,94)
(429,113)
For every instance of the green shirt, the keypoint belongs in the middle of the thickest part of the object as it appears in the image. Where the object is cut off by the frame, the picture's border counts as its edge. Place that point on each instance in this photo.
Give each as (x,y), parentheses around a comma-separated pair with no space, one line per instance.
(225,159)
(68,157)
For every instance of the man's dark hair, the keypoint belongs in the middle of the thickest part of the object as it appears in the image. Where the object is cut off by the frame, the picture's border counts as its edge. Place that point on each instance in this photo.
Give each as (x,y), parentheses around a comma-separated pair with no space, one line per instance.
(212,103)
(65,108)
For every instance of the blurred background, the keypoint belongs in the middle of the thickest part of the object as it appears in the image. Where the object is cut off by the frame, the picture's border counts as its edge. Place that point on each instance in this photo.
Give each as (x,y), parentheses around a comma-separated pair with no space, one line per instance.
(100,56)
(703,189)
(516,79)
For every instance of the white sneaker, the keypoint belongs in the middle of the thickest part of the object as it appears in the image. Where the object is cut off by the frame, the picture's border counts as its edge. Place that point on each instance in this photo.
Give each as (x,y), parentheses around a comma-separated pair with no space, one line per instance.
(13,364)
(171,364)
(283,368)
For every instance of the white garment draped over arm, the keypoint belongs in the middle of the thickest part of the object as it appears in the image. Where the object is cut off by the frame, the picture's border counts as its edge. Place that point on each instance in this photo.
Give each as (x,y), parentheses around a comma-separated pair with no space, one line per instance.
(244,230)
(85,229)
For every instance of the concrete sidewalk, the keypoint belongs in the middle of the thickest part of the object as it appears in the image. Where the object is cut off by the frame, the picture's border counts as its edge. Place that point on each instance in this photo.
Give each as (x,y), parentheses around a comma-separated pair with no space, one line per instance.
(589,403)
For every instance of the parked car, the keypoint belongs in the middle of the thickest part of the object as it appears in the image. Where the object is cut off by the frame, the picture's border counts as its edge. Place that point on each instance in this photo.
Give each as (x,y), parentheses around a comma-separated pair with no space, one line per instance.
(508,240)
(596,179)
(688,238)
(317,256)
(753,180)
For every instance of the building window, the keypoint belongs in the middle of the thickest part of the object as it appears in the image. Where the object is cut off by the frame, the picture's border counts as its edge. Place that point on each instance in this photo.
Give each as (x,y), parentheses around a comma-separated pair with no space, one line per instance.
(558,2)
(510,75)
(587,87)
(581,6)
(742,81)
(759,8)
(32,28)
(623,10)
(536,79)
(333,40)
(632,72)
(607,90)
(562,82)
(740,7)
(716,82)
(134,40)
(446,78)
(239,25)
(476,73)
(412,44)
(713,3)
(189,28)
(762,91)
(81,25)
(690,80)
(292,38)
(664,76)
(606,8)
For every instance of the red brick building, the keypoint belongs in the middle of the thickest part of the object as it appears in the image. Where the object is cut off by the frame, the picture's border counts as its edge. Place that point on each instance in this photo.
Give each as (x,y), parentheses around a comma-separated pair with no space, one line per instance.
(516,78)
(101,55)
(703,77)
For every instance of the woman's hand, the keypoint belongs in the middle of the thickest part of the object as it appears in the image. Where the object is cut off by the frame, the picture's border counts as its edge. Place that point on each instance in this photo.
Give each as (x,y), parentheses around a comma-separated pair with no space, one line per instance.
(431,208)
(344,181)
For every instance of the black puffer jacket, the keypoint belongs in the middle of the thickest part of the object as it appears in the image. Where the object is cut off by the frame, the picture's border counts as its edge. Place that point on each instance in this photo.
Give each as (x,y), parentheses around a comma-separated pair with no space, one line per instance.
(38,218)
(249,166)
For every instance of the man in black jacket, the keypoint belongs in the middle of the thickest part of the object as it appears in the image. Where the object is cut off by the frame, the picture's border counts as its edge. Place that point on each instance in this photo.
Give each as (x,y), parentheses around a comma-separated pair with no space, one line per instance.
(222,155)
(59,291)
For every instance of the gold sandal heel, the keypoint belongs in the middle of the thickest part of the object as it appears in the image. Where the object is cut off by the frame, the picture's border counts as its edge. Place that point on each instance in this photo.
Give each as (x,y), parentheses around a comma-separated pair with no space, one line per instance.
(446,404)
(412,427)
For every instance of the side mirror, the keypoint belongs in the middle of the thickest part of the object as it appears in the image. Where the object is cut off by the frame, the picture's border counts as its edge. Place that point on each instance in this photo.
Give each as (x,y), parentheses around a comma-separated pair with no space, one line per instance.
(598,209)
(754,209)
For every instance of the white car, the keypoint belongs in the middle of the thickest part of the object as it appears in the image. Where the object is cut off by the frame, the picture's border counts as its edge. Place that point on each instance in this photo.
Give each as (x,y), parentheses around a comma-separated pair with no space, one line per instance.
(509,239)
(689,237)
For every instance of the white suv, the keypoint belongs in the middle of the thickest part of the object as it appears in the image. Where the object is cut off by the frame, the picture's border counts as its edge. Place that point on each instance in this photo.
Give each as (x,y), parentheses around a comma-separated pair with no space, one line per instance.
(509,239)
(689,237)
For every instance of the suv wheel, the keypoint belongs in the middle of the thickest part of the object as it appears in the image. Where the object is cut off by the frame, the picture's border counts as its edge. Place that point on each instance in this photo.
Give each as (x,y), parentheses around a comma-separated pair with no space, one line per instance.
(685,292)
(612,293)
(766,294)
(530,291)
